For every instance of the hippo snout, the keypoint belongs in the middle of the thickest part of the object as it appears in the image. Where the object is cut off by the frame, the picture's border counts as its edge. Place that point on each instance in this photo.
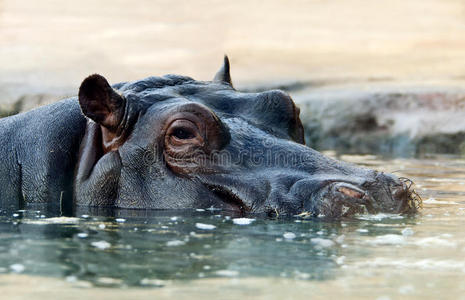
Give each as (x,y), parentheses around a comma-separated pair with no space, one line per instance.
(384,194)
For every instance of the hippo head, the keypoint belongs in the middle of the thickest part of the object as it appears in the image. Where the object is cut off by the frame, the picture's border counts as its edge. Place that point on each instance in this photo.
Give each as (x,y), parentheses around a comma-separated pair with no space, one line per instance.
(173,142)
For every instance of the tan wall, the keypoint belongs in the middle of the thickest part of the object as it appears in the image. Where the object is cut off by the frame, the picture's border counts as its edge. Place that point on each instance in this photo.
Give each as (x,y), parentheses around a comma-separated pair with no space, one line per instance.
(51,45)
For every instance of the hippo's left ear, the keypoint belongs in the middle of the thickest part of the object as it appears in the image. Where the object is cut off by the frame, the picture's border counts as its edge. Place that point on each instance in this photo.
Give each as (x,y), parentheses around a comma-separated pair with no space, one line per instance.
(223,74)
(100,102)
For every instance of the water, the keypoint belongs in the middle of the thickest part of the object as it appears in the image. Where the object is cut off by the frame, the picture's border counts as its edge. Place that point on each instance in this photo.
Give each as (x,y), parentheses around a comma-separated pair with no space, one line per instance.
(212,255)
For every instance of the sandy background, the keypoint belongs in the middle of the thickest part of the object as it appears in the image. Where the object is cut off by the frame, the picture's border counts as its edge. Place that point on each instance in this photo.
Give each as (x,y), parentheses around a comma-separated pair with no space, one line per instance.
(49,46)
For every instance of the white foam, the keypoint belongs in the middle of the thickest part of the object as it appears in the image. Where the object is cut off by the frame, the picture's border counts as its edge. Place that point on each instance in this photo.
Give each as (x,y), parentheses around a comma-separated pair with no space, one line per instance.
(379,217)
(323,243)
(227,273)
(205,226)
(17,268)
(409,264)
(407,231)
(434,242)
(388,239)
(289,235)
(340,260)
(440,202)
(101,245)
(55,220)
(82,235)
(243,221)
(175,243)
(153,282)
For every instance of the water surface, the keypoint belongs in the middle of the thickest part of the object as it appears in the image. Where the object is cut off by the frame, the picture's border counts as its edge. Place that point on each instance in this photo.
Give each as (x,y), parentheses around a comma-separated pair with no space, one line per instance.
(211,254)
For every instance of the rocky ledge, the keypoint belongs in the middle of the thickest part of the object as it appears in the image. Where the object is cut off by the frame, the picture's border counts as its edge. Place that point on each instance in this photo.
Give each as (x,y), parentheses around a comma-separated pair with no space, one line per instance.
(407,120)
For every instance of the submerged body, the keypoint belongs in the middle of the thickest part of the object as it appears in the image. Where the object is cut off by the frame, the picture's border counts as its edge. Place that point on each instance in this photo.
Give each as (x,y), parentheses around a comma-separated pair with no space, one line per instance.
(173,142)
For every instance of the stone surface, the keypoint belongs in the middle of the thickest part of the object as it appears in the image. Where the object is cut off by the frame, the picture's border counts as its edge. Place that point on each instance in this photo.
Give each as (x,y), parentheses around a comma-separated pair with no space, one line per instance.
(386,118)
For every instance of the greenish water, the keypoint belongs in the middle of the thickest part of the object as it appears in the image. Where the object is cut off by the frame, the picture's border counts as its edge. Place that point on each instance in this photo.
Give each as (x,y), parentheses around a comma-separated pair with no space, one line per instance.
(168,245)
(125,250)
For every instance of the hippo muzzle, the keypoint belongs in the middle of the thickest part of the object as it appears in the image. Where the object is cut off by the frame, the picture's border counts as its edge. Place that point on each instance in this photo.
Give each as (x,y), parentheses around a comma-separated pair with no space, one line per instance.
(384,194)
(342,192)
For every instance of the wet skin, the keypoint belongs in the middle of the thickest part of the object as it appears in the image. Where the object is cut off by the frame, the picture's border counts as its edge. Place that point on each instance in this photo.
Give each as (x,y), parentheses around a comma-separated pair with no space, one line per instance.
(172,142)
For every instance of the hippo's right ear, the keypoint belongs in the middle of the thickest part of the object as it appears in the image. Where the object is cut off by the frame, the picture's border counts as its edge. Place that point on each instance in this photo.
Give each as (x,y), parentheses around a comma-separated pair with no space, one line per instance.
(100,102)
(223,74)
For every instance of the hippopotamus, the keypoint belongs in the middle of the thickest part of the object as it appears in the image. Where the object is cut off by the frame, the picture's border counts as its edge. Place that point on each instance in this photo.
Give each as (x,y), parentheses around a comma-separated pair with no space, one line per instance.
(173,142)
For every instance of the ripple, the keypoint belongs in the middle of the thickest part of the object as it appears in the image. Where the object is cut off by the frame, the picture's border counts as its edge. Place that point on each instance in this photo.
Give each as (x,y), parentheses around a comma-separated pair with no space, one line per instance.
(423,264)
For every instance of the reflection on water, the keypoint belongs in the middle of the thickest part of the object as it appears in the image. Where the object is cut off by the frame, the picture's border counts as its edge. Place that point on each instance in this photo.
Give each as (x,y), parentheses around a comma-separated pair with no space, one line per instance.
(381,255)
(138,247)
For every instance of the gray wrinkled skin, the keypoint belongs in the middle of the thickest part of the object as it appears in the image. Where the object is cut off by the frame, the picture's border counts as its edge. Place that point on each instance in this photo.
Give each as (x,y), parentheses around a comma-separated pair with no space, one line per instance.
(252,157)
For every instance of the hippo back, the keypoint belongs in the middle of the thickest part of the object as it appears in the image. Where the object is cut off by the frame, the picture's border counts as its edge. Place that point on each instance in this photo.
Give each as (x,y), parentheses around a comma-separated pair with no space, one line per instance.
(38,151)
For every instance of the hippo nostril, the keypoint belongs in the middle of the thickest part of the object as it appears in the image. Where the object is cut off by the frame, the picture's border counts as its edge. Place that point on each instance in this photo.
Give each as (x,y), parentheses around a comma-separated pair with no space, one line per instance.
(350,192)
(344,199)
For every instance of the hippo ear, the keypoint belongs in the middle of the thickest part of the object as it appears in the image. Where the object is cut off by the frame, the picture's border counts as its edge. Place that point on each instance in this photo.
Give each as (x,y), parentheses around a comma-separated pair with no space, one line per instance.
(223,74)
(100,102)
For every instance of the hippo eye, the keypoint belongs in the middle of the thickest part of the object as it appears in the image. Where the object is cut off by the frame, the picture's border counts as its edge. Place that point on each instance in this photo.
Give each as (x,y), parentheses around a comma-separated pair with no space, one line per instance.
(190,134)
(183,133)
